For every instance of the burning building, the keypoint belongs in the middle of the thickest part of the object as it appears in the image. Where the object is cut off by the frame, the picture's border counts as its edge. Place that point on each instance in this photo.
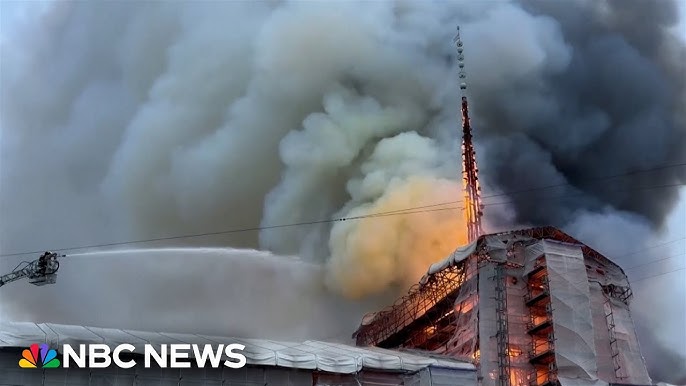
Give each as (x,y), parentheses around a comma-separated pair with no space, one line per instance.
(528,307)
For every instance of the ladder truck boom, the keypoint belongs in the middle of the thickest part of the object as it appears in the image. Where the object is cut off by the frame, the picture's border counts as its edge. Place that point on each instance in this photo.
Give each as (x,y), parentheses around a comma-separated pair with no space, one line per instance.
(39,272)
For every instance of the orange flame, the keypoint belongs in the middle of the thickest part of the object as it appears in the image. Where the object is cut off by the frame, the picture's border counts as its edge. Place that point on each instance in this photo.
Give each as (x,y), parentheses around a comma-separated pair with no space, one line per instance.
(373,253)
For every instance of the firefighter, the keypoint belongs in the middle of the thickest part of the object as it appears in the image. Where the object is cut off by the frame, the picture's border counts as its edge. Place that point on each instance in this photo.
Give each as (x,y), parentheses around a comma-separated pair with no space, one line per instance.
(43,263)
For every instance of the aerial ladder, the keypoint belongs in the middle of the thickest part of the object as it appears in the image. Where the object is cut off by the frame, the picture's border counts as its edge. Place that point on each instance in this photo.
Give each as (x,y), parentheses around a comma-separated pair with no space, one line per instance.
(38,272)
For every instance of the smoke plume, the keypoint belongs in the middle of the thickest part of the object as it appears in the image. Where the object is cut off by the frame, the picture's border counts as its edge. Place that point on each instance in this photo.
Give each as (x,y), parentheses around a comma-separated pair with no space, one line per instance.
(129,121)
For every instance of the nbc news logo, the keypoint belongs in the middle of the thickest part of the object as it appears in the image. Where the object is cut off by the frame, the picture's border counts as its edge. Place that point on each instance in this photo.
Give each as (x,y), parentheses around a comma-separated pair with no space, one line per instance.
(33,357)
(102,356)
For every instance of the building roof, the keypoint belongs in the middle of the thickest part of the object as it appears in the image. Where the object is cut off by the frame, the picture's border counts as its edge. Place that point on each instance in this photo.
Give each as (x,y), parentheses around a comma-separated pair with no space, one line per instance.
(545,232)
(399,309)
(312,355)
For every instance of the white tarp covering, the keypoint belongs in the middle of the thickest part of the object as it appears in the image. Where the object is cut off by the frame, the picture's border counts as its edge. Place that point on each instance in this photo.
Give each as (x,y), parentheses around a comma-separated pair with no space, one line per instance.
(632,364)
(488,325)
(572,323)
(313,355)
(445,377)
(464,342)
(457,256)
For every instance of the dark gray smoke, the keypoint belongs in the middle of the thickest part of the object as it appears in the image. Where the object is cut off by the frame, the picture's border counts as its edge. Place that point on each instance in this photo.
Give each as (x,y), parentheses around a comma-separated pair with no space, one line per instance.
(615,107)
(126,121)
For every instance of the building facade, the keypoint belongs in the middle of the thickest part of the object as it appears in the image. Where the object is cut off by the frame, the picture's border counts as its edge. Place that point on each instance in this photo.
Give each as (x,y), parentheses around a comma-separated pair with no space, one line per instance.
(532,307)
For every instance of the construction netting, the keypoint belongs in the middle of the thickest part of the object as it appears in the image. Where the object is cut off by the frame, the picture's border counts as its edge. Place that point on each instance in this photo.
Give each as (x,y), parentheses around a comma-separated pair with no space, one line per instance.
(530,307)
(575,353)
(594,336)
(502,314)
(464,343)
(440,284)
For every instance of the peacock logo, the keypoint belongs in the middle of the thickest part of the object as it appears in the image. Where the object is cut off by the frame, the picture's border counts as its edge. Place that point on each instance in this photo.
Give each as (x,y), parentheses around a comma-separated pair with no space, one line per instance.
(30,358)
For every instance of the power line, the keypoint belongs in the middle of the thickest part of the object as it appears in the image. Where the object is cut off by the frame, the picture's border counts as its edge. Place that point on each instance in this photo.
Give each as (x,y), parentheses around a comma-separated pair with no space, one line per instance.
(614,256)
(654,261)
(558,186)
(540,198)
(659,274)
(240,230)
(413,210)
(260,228)
(663,167)
(652,247)
(543,198)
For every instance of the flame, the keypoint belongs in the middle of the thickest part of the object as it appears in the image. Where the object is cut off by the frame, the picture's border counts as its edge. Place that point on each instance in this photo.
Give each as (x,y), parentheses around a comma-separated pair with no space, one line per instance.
(538,319)
(477,355)
(518,377)
(466,305)
(372,253)
(513,352)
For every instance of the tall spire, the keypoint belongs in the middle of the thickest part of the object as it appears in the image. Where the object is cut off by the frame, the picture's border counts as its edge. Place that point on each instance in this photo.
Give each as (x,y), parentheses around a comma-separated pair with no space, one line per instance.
(472,191)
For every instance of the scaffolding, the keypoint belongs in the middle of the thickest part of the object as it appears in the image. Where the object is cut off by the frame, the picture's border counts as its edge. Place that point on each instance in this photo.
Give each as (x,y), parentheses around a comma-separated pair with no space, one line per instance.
(502,335)
(540,326)
(492,303)
(614,347)
(621,293)
(430,303)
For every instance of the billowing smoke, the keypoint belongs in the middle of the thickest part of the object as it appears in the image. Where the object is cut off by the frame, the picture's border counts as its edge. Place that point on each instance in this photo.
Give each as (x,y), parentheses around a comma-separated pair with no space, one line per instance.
(127,121)
(601,94)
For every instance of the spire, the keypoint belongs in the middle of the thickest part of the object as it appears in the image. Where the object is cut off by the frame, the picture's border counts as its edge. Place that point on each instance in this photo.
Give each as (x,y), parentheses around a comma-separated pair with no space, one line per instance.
(470,179)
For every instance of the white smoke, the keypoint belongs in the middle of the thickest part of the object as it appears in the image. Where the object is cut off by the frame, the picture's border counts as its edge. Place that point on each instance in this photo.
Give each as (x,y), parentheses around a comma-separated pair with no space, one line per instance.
(219,291)
(369,255)
(228,115)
